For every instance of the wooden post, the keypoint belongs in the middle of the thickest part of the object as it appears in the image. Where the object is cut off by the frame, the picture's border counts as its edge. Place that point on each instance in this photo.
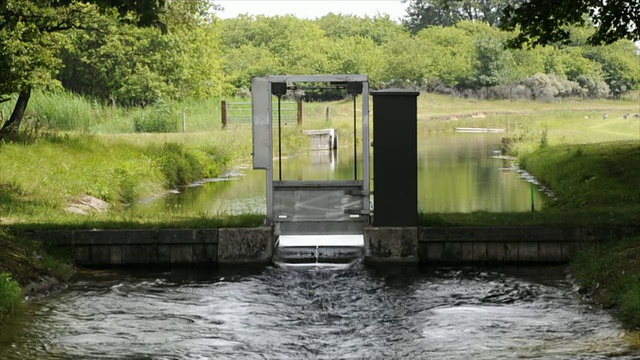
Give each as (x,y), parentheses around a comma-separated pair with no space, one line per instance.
(223,113)
(184,122)
(299,111)
(327,113)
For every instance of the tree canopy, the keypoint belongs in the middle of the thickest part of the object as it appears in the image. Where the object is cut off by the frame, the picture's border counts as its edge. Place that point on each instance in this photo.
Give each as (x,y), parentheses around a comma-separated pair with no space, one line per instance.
(30,38)
(537,22)
(112,56)
(542,22)
(425,13)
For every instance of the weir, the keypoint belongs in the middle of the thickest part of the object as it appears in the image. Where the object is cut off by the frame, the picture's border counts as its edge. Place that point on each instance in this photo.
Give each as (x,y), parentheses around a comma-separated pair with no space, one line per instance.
(315,222)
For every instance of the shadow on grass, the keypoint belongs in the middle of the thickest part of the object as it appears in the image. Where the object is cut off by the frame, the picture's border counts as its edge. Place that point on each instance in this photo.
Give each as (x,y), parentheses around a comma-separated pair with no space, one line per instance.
(621,216)
(227,221)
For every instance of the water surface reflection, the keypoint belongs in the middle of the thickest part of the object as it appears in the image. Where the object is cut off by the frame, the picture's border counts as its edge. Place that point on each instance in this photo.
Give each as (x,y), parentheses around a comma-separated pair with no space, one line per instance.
(457,172)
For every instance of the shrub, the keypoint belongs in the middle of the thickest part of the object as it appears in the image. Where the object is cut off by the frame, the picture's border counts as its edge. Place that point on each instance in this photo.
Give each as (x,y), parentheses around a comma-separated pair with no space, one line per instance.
(10,293)
(595,88)
(546,87)
(159,119)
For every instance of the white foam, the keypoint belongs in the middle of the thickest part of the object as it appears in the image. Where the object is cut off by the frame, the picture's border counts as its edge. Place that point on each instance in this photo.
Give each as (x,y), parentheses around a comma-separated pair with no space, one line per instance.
(320,240)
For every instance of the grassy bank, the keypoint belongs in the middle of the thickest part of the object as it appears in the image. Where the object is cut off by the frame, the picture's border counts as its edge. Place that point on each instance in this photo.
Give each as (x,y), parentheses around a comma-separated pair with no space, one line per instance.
(26,265)
(610,273)
(42,176)
(586,160)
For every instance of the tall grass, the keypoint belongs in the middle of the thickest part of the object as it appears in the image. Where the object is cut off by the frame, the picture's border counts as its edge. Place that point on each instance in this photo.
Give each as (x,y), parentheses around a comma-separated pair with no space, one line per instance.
(116,164)
(611,273)
(10,293)
(63,110)
(41,178)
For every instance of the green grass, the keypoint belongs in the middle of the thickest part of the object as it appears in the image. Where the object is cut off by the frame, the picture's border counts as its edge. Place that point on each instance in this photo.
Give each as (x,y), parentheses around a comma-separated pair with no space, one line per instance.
(10,293)
(24,261)
(41,177)
(610,272)
(603,176)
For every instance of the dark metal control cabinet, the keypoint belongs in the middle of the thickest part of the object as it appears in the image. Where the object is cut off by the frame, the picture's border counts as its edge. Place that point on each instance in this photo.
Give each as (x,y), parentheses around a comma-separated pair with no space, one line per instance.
(395,158)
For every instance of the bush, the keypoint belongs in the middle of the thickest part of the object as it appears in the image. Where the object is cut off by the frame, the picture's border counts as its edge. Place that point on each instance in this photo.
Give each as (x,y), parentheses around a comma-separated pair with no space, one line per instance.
(595,88)
(182,166)
(10,293)
(159,119)
(546,87)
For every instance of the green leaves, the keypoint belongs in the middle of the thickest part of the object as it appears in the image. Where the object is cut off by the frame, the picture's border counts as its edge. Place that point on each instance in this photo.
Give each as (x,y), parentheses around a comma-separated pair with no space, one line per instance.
(542,22)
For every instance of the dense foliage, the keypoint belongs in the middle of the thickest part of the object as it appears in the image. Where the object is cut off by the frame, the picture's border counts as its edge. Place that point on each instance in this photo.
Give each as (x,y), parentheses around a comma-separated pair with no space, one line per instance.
(103,52)
(539,22)
(212,57)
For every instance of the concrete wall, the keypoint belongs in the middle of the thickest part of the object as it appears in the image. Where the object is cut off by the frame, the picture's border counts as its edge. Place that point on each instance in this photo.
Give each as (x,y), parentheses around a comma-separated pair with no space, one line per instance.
(520,245)
(102,248)
(383,245)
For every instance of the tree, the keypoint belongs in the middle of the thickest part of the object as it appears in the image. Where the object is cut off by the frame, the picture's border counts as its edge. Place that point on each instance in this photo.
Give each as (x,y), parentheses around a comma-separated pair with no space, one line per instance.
(31,34)
(426,13)
(137,66)
(543,22)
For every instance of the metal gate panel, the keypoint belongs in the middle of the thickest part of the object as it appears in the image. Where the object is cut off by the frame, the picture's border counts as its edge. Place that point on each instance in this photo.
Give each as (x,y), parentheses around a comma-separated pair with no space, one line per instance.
(318,201)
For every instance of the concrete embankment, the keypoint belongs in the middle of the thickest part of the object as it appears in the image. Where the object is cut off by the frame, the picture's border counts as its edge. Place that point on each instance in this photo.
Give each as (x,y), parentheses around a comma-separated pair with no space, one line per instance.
(421,245)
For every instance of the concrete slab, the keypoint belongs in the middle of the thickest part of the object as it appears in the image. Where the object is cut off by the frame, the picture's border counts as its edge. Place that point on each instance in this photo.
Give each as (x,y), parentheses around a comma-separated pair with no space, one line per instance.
(479,251)
(245,246)
(433,250)
(466,252)
(391,245)
(550,251)
(496,251)
(115,255)
(528,252)
(451,251)
(181,254)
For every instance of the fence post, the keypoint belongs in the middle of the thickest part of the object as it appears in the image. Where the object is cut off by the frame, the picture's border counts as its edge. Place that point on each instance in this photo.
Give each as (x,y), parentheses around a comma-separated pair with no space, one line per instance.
(327,113)
(223,113)
(184,122)
(299,111)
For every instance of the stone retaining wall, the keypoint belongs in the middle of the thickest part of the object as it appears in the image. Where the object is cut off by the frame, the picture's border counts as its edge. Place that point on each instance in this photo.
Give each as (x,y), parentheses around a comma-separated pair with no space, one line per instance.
(385,245)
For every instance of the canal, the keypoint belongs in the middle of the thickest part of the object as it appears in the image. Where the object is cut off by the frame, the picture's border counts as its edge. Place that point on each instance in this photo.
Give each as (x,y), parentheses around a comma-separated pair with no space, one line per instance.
(356,313)
(457,172)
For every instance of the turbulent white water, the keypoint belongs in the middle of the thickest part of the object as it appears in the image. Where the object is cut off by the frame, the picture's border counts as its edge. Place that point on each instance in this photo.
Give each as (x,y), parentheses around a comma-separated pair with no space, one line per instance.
(355,313)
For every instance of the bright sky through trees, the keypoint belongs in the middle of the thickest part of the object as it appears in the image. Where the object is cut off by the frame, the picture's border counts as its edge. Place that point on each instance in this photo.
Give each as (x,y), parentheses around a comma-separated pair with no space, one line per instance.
(312,8)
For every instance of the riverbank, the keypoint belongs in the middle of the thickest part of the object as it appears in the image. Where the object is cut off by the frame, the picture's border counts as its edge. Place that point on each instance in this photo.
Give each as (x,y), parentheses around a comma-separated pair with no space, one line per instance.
(28,269)
(609,272)
(42,175)
(45,177)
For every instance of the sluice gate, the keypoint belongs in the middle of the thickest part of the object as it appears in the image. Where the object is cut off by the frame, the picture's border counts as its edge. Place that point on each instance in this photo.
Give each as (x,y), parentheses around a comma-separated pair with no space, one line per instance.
(315,222)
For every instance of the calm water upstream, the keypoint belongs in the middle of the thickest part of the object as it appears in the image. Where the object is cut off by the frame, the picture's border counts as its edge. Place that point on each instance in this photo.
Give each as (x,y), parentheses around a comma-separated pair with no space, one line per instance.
(357,313)
(457,173)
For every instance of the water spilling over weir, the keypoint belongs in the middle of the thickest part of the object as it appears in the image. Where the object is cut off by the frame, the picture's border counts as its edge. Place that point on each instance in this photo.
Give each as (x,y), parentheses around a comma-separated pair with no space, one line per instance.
(318,250)
(315,222)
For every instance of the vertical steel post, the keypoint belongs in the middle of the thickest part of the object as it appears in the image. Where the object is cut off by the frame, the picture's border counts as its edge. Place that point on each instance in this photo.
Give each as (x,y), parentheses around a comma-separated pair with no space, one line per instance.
(355,140)
(279,139)
(366,149)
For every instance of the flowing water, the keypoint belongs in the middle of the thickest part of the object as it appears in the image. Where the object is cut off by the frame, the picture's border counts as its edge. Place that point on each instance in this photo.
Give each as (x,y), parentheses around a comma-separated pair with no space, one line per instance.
(356,313)
(460,172)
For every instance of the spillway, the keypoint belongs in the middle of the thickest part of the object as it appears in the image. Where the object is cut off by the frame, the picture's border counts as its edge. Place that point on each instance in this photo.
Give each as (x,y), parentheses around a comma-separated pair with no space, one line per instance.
(318,250)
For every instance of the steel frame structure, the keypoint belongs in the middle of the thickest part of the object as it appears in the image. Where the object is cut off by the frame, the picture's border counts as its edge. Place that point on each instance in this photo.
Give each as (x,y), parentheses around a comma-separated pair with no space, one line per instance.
(281,194)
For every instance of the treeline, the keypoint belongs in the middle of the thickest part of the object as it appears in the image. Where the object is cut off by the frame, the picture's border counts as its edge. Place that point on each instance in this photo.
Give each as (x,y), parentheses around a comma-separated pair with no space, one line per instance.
(201,56)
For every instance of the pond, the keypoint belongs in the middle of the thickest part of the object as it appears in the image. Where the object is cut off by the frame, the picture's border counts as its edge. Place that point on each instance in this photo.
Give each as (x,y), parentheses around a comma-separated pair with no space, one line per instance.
(458,172)
(355,313)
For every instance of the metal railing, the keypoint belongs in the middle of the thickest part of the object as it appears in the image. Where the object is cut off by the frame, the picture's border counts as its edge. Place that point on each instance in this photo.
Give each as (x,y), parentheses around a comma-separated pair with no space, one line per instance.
(240,113)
